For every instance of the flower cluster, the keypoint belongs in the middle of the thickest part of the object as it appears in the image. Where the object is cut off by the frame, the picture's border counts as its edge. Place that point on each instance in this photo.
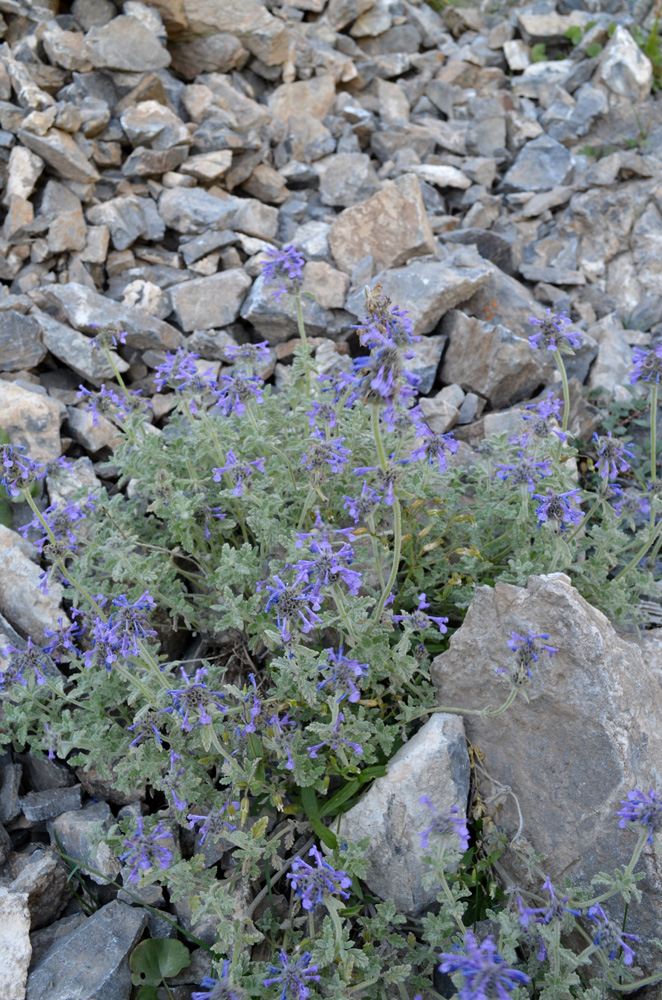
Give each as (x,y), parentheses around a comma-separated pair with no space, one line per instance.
(418,621)
(556,507)
(239,472)
(643,809)
(526,471)
(145,851)
(286,267)
(647,365)
(344,673)
(611,456)
(219,989)
(334,741)
(193,702)
(445,824)
(311,884)
(291,976)
(486,975)
(553,332)
(609,937)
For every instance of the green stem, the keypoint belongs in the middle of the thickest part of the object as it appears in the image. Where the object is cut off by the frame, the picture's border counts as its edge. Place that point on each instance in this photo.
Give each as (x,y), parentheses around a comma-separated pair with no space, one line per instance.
(37,513)
(641,553)
(375,549)
(340,606)
(566,390)
(397,545)
(304,340)
(449,896)
(636,854)
(376,433)
(486,713)
(653,448)
(584,521)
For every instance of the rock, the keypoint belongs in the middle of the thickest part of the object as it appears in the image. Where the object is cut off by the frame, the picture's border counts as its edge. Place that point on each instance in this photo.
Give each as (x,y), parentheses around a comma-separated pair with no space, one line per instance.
(21,601)
(44,773)
(78,833)
(93,960)
(92,436)
(106,788)
(206,303)
(207,167)
(425,363)
(125,43)
(151,124)
(76,351)
(10,779)
(256,219)
(15,946)
(266,184)
(541,164)
(218,53)
(492,360)
(327,285)
(93,13)
(88,310)
(23,171)
(443,177)
(31,420)
(44,880)
(340,13)
(427,288)
(311,97)
(613,363)
(61,153)
(67,230)
(5,845)
(21,345)
(191,210)
(442,412)
(276,321)
(263,34)
(346,179)
(586,735)
(391,226)
(434,763)
(148,296)
(518,54)
(44,939)
(38,806)
(9,539)
(624,68)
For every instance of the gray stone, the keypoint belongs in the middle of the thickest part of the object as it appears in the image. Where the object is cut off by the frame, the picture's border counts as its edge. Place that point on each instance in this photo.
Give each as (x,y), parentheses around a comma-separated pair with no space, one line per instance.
(44,879)
(44,939)
(44,773)
(21,601)
(346,179)
(61,153)
(427,288)
(434,763)
(210,302)
(151,124)
(10,780)
(277,322)
(92,961)
(588,732)
(38,806)
(541,164)
(127,218)
(255,219)
(145,162)
(491,246)
(86,310)
(21,345)
(624,68)
(218,53)
(492,360)
(148,296)
(92,436)
(23,171)
(204,244)
(15,946)
(78,834)
(192,210)
(312,239)
(125,43)
(441,412)
(5,844)
(425,363)
(76,352)
(93,13)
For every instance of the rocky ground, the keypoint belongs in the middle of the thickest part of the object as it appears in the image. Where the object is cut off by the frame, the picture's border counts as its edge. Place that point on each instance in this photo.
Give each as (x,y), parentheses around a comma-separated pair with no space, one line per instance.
(479,164)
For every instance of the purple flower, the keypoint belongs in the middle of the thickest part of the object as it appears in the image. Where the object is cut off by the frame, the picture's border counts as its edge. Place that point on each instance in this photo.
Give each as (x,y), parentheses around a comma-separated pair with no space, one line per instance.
(611,456)
(312,884)
(386,480)
(255,708)
(630,503)
(328,567)
(279,735)
(609,937)
(485,973)
(17,471)
(238,472)
(169,781)
(547,413)
(545,914)
(325,452)
(292,603)
(145,727)
(445,824)
(60,521)
(145,851)
(179,371)
(556,507)
(291,976)
(357,507)
(526,471)
(107,337)
(643,809)
(30,658)
(214,823)
(335,742)
(194,701)
(384,323)
(344,673)
(527,648)
(434,447)
(647,365)
(553,332)
(324,413)
(286,267)
(61,641)
(418,620)
(129,623)
(104,402)
(219,989)
(252,353)
(234,392)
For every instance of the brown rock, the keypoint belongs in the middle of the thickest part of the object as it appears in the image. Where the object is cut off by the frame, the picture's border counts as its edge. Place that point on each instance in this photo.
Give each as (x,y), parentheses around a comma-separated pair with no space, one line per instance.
(44,879)
(125,43)
(60,151)
(218,53)
(266,184)
(263,34)
(31,420)
(392,227)
(327,285)
(313,97)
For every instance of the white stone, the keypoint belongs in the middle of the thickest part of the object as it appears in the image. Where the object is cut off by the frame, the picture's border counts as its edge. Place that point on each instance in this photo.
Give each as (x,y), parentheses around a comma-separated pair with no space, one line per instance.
(15,947)
(443,176)
(624,68)
(518,54)
(23,172)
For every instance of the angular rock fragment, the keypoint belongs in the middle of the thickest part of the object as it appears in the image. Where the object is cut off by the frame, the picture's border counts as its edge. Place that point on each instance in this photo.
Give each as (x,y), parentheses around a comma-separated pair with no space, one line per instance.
(21,345)
(44,880)
(31,420)
(61,153)
(38,806)
(624,68)
(207,303)
(15,945)
(22,603)
(541,164)
(125,43)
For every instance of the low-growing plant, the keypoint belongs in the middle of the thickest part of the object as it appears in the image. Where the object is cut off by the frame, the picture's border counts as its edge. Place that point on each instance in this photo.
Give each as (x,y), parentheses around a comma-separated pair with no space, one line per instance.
(251,615)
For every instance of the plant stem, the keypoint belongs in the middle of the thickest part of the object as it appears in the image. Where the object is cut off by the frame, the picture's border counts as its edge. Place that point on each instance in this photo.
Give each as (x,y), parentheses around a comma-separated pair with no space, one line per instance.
(653,448)
(566,390)
(640,554)
(397,544)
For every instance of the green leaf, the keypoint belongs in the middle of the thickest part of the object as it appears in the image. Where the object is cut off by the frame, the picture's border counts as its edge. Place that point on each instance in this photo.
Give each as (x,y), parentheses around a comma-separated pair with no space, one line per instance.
(312,811)
(574,33)
(593,50)
(155,960)
(4,437)
(148,993)
(538,52)
(611,28)
(331,807)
